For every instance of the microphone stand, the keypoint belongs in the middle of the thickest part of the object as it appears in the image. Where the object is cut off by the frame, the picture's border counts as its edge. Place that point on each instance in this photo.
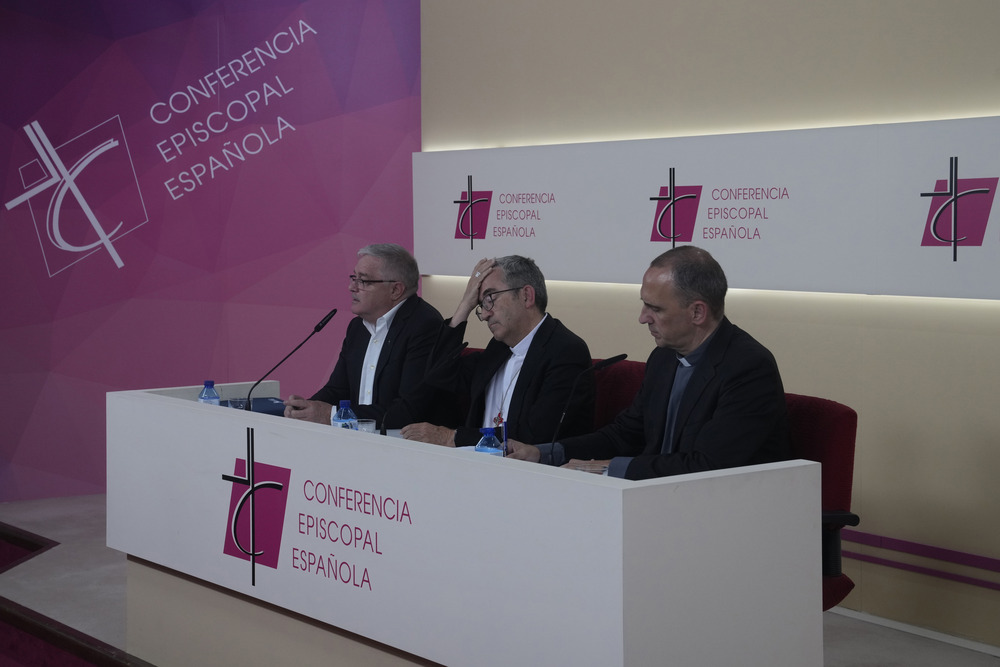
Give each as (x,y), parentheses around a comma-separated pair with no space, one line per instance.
(572,391)
(316,329)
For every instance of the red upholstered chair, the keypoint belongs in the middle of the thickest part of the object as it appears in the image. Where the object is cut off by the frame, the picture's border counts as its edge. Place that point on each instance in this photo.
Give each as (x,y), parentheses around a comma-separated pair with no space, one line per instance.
(823,430)
(819,430)
(616,386)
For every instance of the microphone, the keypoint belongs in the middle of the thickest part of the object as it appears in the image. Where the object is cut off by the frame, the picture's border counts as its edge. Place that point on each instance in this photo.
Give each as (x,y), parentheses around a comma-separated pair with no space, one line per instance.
(316,329)
(604,363)
(319,326)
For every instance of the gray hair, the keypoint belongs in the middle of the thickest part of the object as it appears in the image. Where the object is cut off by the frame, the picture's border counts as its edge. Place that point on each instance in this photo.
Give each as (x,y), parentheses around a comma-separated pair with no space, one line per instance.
(397,262)
(697,277)
(520,271)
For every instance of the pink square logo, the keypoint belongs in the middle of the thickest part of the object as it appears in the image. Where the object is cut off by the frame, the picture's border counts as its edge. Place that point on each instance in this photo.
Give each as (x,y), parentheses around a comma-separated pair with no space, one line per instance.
(256,511)
(676,212)
(473,214)
(959,210)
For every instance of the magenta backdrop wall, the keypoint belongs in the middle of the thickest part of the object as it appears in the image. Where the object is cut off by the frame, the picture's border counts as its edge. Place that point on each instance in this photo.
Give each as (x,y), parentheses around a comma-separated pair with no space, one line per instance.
(184,189)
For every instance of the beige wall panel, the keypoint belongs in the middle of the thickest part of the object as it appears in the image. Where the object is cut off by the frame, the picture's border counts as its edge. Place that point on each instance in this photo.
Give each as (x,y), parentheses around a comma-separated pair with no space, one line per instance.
(526,72)
(815,338)
(956,609)
(932,440)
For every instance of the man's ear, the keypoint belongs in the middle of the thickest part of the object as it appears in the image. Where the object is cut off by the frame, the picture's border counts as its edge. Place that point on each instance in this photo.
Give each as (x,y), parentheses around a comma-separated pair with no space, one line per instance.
(397,291)
(528,296)
(699,313)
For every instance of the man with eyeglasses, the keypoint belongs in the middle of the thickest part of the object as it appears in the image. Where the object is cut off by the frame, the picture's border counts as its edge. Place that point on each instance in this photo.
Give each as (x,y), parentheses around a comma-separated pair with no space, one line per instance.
(524,377)
(386,348)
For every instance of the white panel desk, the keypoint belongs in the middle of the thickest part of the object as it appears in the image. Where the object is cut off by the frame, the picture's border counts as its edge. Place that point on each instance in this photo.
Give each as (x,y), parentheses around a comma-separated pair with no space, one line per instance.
(467,559)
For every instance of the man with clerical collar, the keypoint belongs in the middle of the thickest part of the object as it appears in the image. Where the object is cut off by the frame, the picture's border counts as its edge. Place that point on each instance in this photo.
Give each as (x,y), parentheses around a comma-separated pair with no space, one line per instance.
(386,348)
(711,396)
(524,377)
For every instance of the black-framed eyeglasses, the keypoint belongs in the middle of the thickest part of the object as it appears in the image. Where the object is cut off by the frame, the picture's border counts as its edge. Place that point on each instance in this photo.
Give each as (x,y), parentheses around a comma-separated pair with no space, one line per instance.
(490,300)
(363,283)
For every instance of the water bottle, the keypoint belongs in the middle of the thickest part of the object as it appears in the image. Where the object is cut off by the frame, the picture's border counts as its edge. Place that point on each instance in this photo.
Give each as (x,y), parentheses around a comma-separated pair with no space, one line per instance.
(489,443)
(208,393)
(344,417)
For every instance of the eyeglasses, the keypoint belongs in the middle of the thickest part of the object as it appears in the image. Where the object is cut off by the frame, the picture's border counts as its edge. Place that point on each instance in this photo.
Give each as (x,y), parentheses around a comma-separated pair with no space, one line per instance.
(490,300)
(363,283)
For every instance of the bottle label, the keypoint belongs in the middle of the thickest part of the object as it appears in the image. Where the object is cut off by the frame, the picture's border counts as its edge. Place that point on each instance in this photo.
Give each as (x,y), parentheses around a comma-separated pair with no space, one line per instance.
(351,424)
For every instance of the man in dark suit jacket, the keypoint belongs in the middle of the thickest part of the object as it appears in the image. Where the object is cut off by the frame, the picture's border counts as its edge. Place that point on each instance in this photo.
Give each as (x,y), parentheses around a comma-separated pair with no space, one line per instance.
(711,396)
(525,375)
(386,348)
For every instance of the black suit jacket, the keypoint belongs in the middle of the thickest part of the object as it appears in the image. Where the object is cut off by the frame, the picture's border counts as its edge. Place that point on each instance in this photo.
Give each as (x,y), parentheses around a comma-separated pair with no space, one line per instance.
(555,359)
(398,373)
(732,414)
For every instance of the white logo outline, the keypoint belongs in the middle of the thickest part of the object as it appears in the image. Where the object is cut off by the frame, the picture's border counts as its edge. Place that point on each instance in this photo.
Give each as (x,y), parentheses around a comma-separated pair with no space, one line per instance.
(63,178)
